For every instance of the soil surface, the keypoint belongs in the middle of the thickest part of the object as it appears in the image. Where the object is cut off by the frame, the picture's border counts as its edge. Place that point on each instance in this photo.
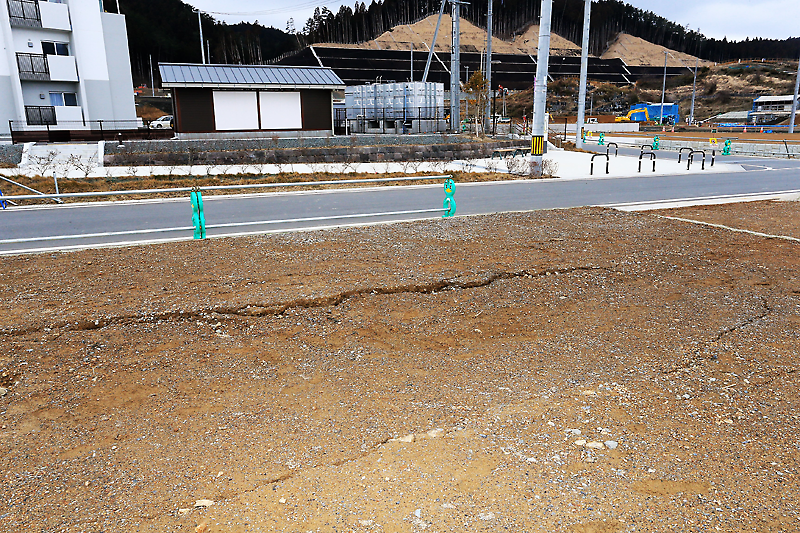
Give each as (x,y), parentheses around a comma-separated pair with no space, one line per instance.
(577,370)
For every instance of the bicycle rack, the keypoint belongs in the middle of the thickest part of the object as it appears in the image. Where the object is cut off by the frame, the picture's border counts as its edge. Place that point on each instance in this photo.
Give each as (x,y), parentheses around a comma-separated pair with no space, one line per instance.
(652,158)
(591,171)
(680,153)
(691,159)
(616,148)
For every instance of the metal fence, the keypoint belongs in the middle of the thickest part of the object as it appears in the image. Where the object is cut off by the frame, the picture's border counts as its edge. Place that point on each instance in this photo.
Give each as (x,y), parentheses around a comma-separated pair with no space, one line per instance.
(42,126)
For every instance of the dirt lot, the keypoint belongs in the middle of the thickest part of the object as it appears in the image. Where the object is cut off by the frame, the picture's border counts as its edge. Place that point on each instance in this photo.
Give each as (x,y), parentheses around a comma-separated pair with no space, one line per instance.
(574,370)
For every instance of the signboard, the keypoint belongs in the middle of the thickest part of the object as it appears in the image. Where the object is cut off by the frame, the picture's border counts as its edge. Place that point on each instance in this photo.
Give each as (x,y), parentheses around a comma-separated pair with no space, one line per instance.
(714,143)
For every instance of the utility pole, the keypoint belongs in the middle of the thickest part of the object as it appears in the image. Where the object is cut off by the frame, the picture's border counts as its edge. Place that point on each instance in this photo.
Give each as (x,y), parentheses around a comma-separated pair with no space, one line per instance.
(455,69)
(488,63)
(412,63)
(794,102)
(202,47)
(540,91)
(694,91)
(664,86)
(587,11)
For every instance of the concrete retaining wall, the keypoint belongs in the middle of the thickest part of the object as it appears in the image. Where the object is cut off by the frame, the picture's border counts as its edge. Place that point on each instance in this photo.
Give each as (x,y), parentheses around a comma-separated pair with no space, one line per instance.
(254,152)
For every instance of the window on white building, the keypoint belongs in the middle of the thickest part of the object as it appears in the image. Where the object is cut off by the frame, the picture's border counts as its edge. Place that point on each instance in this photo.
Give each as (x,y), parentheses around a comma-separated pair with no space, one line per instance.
(55,49)
(60,99)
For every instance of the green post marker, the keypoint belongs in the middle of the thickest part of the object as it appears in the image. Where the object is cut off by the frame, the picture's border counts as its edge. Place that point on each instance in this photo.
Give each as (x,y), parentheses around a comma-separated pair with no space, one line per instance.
(727,149)
(198,215)
(449,202)
(602,141)
(656,142)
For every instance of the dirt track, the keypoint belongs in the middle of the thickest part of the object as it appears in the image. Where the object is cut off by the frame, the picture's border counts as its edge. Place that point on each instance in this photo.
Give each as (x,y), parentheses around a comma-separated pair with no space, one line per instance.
(589,370)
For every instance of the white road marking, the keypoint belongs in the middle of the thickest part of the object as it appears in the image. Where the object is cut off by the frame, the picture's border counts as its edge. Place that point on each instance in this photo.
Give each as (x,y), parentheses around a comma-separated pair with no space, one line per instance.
(704,200)
(728,228)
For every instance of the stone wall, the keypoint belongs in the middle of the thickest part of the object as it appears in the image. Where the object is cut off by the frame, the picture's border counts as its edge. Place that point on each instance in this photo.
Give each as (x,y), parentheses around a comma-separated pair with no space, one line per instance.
(362,149)
(10,154)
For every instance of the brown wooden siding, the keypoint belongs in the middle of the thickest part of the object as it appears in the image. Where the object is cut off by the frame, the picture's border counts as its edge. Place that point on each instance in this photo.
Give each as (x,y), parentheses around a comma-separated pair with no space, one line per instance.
(194,111)
(316,110)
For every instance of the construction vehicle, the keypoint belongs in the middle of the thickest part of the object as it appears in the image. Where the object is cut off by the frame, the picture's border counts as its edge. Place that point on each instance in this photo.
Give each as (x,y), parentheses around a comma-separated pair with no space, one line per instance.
(648,112)
(631,113)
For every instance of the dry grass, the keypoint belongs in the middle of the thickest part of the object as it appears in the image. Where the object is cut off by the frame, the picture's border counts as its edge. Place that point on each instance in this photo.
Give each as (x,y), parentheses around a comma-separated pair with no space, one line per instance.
(78,185)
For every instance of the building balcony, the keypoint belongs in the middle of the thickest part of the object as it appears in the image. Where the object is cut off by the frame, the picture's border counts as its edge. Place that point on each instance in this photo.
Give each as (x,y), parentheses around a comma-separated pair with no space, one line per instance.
(58,117)
(40,67)
(35,14)
(62,68)
(55,16)
(33,67)
(24,13)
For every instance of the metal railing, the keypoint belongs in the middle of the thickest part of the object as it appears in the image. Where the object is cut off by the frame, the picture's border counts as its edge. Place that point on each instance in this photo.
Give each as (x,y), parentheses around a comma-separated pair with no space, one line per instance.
(24,13)
(33,67)
(40,115)
(199,226)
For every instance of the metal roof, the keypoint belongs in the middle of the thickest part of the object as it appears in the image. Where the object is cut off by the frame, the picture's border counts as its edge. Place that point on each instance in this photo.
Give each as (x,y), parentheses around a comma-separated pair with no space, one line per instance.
(248,76)
(774,99)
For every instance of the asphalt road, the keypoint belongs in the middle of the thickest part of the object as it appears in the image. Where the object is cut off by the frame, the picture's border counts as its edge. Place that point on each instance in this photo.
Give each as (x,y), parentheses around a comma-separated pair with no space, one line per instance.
(48,221)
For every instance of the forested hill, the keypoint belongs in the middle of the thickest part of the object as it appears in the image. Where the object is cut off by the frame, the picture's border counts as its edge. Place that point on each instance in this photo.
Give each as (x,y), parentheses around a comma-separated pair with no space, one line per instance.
(168,30)
(609,17)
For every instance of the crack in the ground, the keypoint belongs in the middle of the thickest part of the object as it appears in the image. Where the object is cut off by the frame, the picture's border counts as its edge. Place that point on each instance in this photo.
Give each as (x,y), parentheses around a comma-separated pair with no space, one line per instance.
(258,310)
(697,354)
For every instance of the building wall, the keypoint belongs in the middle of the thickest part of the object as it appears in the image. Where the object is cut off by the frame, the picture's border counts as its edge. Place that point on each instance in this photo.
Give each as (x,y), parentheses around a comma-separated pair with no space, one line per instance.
(196,112)
(98,42)
(11,101)
(115,35)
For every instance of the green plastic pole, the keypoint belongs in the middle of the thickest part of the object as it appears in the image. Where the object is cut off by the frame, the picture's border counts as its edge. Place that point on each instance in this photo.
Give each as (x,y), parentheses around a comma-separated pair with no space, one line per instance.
(449,201)
(198,215)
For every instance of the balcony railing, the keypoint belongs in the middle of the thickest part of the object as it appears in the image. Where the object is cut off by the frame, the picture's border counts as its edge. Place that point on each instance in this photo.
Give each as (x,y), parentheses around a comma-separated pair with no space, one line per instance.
(40,115)
(24,13)
(33,67)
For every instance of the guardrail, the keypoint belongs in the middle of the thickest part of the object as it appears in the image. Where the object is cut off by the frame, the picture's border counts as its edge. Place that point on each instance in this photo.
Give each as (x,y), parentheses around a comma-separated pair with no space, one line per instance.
(199,225)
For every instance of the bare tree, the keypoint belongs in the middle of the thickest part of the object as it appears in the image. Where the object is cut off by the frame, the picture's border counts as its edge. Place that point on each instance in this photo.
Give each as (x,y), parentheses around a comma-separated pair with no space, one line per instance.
(42,164)
(85,166)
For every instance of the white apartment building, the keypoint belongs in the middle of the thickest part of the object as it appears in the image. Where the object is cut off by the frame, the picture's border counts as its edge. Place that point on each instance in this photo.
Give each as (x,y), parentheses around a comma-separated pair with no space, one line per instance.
(64,64)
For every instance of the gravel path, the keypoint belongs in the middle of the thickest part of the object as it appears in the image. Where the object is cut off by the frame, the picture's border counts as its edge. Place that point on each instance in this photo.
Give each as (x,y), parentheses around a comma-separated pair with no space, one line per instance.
(575,370)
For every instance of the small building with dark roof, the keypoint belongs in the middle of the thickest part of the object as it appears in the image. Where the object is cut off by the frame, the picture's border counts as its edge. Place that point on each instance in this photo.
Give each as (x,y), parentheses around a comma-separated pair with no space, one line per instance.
(251,100)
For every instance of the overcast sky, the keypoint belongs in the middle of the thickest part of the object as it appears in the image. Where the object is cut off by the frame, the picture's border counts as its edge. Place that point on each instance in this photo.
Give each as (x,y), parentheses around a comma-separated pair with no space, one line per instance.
(734,19)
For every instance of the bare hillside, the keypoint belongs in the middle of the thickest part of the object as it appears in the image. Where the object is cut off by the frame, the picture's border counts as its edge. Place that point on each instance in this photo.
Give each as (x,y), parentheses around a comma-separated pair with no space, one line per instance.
(473,39)
(638,52)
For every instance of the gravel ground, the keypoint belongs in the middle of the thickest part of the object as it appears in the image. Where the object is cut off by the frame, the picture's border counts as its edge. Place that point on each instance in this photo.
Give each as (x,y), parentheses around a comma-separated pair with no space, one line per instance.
(772,218)
(575,370)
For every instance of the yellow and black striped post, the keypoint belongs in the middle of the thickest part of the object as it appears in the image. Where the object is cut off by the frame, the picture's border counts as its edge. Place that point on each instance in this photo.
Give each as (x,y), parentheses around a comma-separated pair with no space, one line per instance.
(537,145)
